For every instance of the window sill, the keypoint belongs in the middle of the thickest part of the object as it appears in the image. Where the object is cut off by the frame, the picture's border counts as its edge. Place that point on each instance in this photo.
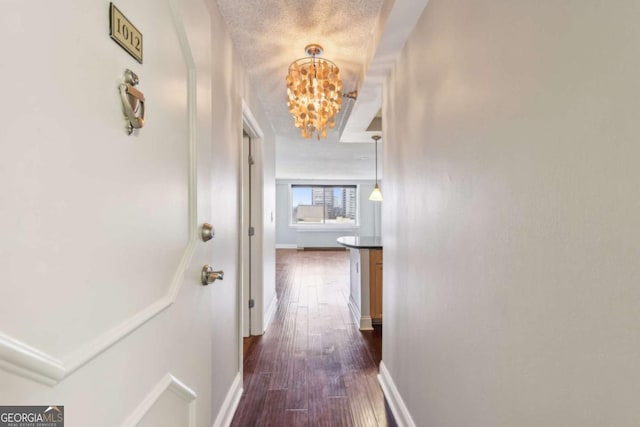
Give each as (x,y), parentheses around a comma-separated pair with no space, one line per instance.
(328,228)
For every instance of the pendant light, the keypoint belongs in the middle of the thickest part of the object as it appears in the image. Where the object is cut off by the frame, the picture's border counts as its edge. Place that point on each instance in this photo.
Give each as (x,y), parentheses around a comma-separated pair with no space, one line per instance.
(376,194)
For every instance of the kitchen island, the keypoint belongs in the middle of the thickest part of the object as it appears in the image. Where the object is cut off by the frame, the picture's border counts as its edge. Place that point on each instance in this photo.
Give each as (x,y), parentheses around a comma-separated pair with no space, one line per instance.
(365,296)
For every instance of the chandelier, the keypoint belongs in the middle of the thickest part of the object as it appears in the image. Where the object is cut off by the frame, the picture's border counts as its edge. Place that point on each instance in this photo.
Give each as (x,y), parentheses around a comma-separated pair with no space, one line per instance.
(314,92)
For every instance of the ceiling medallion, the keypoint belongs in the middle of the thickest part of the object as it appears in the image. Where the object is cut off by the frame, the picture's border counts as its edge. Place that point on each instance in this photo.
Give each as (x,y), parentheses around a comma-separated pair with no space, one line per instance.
(314,92)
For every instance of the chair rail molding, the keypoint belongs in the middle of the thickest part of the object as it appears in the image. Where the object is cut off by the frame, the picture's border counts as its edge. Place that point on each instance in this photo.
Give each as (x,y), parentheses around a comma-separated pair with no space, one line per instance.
(167,383)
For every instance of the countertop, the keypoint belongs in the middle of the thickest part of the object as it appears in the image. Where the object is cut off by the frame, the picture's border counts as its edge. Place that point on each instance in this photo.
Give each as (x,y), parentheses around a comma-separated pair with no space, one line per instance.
(361,242)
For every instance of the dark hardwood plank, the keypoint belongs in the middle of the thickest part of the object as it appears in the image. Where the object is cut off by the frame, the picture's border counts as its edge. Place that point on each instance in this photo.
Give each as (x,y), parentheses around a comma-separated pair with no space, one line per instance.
(273,413)
(254,398)
(253,350)
(362,411)
(379,404)
(297,393)
(319,410)
(296,418)
(313,367)
(341,412)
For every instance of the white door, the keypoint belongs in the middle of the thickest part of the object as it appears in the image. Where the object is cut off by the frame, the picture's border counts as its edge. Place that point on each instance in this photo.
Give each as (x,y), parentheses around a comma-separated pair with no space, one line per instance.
(101,306)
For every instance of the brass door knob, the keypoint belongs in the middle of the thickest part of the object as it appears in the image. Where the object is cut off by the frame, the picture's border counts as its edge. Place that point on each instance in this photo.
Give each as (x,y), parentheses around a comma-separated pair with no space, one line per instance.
(210,276)
(207,232)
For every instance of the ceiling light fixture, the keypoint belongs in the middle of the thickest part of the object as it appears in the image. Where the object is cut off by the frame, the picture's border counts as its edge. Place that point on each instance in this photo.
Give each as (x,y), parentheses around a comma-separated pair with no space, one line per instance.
(314,91)
(376,194)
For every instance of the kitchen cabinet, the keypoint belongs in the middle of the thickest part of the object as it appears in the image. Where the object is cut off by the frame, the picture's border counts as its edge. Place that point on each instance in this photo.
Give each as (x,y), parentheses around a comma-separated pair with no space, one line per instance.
(365,288)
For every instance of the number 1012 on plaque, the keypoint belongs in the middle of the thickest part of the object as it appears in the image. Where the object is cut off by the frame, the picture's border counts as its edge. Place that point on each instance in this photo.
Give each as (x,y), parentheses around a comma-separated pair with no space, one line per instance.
(125,33)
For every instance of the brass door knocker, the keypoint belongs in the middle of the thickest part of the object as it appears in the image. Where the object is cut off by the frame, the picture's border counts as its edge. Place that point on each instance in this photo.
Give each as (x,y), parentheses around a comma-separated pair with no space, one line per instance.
(132,101)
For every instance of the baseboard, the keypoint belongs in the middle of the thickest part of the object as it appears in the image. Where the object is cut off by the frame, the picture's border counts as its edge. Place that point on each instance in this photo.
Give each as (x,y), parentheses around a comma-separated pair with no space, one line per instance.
(323,248)
(363,322)
(391,393)
(271,311)
(355,311)
(286,246)
(230,404)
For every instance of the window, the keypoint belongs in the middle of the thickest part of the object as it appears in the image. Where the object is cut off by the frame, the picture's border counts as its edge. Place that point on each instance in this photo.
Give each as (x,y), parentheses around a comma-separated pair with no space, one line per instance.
(324,204)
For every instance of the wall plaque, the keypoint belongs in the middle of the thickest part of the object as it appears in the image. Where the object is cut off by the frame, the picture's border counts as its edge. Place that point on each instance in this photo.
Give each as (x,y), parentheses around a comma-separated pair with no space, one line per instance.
(123,32)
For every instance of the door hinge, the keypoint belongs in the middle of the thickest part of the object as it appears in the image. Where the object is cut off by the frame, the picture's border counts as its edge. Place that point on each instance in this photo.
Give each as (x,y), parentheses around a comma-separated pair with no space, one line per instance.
(252,231)
(251,162)
(251,303)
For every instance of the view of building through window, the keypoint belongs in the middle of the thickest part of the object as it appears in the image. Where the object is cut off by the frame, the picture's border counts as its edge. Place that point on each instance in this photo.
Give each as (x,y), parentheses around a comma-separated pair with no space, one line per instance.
(326,204)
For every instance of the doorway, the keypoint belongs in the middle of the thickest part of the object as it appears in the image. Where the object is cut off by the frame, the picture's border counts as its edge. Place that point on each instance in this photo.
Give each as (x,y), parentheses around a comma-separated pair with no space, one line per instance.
(248,232)
(251,257)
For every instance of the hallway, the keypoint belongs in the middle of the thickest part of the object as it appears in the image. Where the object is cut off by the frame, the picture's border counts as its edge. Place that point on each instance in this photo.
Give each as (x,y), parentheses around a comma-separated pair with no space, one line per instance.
(313,367)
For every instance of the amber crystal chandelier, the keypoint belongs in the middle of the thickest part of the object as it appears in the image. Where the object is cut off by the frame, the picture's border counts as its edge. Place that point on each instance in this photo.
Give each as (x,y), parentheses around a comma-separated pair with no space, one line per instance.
(314,92)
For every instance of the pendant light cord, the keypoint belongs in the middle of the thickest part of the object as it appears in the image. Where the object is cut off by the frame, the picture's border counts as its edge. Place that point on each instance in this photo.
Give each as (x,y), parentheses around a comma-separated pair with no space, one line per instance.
(375,147)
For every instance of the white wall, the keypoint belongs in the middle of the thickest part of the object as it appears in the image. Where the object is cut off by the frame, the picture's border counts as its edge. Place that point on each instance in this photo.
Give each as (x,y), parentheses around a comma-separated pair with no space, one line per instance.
(268,228)
(512,215)
(287,236)
(234,87)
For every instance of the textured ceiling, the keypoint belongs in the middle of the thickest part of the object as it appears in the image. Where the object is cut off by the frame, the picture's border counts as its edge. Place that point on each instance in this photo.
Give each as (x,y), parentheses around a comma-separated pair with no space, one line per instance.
(363,37)
(270,34)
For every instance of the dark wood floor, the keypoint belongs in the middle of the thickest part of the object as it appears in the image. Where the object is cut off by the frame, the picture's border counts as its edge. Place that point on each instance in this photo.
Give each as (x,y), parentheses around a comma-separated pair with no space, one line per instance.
(313,367)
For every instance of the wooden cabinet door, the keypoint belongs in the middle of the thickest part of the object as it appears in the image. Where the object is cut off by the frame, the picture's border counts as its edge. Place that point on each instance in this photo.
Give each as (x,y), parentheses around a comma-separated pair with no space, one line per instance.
(375,277)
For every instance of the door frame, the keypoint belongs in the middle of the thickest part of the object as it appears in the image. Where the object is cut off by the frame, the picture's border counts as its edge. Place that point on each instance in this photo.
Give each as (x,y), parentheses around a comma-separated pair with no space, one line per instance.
(251,286)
